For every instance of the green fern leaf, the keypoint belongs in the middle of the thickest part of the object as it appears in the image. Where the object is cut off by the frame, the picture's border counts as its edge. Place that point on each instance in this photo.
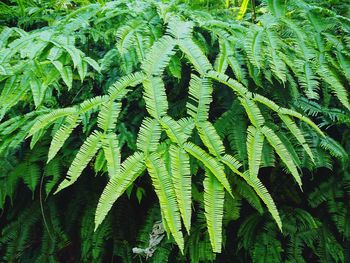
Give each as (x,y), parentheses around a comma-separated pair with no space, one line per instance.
(159,56)
(181,178)
(277,65)
(108,116)
(166,195)
(253,47)
(294,129)
(92,104)
(210,138)
(255,141)
(253,112)
(282,152)
(86,152)
(110,146)
(214,196)
(332,80)
(173,130)
(155,97)
(200,94)
(195,55)
(48,119)
(258,187)
(210,163)
(131,168)
(119,89)
(62,134)
(149,135)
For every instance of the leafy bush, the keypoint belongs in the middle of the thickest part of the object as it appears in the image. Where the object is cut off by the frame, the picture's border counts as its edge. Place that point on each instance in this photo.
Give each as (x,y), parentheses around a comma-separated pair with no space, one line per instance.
(228,124)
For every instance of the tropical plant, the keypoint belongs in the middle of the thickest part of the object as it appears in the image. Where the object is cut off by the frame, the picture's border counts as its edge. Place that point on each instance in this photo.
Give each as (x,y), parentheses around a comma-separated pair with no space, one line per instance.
(221,121)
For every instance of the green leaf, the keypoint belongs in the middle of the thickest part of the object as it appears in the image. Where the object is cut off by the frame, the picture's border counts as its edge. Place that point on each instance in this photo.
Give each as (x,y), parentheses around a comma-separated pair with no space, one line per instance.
(155,97)
(86,152)
(200,95)
(62,134)
(255,141)
(108,116)
(210,163)
(166,195)
(131,168)
(282,152)
(181,178)
(214,196)
(149,135)
(110,146)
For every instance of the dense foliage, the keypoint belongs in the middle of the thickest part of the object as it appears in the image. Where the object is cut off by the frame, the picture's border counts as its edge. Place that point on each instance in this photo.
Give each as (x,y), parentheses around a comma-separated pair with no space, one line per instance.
(174,131)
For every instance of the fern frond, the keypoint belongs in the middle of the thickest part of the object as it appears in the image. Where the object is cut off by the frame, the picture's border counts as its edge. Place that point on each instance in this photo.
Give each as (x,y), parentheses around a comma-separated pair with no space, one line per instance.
(131,168)
(214,197)
(180,29)
(173,130)
(200,92)
(110,146)
(253,46)
(86,152)
(149,135)
(334,148)
(282,152)
(159,56)
(210,163)
(253,112)
(92,104)
(107,117)
(119,89)
(332,80)
(166,195)
(62,134)
(210,138)
(195,55)
(155,97)
(181,178)
(255,141)
(48,119)
(276,63)
(294,129)
(258,187)
(302,118)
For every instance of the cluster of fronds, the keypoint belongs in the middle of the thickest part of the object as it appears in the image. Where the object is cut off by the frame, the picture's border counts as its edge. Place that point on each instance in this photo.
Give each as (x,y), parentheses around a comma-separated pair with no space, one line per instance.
(213,113)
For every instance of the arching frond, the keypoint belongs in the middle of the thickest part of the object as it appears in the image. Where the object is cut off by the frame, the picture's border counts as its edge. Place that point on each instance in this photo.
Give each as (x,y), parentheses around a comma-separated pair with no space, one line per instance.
(294,129)
(119,89)
(210,138)
(92,104)
(48,119)
(253,46)
(173,130)
(200,91)
(155,97)
(62,134)
(131,168)
(210,163)
(333,81)
(107,117)
(255,140)
(149,135)
(159,56)
(110,146)
(195,55)
(181,178)
(166,195)
(86,152)
(214,197)
(282,152)
(253,112)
